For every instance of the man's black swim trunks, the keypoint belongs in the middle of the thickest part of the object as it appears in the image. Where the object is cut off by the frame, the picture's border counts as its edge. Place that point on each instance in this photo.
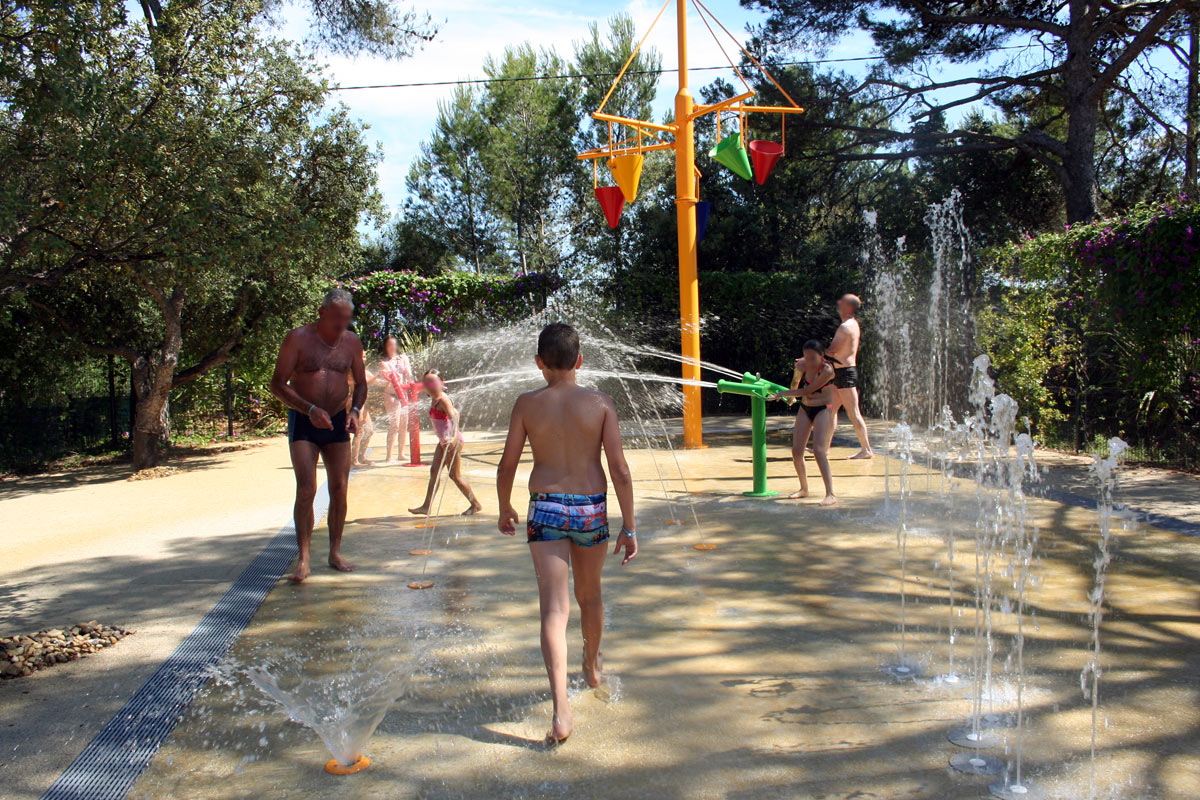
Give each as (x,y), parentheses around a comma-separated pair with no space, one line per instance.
(845,377)
(301,429)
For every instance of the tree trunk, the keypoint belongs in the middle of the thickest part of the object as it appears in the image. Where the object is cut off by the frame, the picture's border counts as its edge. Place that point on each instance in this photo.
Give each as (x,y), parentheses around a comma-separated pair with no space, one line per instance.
(152,380)
(150,427)
(229,400)
(1083,118)
(114,434)
(1193,105)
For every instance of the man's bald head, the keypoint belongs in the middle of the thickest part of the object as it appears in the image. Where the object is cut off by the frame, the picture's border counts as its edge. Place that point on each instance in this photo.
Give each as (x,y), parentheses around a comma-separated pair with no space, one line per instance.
(849,304)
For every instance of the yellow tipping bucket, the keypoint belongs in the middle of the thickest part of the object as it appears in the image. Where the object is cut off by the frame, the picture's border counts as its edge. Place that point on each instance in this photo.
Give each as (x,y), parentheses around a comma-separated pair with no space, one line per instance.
(627,171)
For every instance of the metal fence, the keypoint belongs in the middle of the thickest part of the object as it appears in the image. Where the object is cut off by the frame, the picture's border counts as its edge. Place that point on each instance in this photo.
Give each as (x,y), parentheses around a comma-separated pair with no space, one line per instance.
(37,435)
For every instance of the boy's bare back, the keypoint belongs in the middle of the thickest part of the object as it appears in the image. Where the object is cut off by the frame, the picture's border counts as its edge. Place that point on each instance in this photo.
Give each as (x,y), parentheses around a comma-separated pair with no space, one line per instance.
(566,426)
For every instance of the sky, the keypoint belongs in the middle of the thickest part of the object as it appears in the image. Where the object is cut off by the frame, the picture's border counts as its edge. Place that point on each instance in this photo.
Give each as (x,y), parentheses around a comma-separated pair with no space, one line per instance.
(400,118)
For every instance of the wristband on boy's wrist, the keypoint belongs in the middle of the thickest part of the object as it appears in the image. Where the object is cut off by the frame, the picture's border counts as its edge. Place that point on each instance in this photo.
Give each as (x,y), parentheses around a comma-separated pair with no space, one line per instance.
(311,406)
(629,533)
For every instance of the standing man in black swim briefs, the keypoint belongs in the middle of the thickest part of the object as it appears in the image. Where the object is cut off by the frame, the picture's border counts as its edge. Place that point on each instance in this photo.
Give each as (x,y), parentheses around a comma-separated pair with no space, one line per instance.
(312,379)
(843,351)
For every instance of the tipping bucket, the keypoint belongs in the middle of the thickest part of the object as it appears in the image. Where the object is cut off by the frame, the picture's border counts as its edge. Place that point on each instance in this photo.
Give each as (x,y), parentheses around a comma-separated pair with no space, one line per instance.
(627,170)
(612,200)
(729,151)
(764,153)
(702,209)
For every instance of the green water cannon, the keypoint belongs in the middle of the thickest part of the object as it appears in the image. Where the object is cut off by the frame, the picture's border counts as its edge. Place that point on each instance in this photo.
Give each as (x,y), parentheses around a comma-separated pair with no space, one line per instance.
(758,390)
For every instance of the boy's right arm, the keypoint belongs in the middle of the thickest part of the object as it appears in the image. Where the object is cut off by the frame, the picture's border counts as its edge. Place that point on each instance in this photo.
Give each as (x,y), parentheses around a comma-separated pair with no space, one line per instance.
(506,472)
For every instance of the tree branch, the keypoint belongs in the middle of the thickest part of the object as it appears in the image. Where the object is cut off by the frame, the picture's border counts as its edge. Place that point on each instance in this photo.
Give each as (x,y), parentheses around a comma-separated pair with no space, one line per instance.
(994,20)
(224,351)
(1144,38)
(122,350)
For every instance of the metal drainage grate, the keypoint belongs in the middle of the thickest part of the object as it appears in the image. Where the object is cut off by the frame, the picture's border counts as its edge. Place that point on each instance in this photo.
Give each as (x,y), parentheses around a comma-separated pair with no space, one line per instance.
(111,762)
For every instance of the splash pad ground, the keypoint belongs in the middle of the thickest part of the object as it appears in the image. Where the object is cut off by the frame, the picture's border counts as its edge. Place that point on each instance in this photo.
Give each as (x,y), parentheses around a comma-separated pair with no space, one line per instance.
(749,671)
(754,670)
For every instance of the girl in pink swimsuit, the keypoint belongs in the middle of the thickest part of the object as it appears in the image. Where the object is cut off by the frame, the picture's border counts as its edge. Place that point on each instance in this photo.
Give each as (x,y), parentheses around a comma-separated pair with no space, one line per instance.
(444,417)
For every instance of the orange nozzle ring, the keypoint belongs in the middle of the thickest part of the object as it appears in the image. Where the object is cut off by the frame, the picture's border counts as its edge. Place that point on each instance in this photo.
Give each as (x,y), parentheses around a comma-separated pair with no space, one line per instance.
(334,768)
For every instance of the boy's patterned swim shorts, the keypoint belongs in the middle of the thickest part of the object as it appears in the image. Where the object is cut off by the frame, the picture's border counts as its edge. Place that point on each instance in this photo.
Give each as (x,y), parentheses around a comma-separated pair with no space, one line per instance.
(582,518)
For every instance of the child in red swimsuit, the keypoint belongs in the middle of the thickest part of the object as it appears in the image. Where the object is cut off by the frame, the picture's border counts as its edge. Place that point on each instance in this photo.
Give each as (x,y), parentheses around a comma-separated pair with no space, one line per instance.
(444,416)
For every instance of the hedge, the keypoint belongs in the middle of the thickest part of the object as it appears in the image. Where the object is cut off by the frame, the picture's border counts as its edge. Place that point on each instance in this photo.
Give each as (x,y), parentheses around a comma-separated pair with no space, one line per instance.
(1097,326)
(391,301)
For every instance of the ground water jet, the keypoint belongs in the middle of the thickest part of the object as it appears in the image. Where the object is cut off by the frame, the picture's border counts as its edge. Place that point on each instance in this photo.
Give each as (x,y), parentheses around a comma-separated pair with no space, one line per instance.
(902,435)
(976,432)
(1105,472)
(343,711)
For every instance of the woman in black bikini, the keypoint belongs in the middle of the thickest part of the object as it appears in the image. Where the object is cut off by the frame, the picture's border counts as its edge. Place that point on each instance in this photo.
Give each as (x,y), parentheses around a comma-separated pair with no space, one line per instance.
(815,391)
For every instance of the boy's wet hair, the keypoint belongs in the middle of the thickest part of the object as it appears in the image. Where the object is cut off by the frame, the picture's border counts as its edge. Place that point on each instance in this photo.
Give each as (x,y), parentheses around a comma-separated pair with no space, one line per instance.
(813,344)
(558,346)
(432,371)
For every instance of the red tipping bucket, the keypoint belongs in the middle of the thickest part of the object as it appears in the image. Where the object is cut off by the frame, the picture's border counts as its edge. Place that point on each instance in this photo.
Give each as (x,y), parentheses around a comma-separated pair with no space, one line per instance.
(612,200)
(764,154)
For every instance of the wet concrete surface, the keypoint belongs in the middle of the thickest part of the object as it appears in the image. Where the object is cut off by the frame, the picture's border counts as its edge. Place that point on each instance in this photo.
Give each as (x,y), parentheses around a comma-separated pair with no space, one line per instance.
(752,670)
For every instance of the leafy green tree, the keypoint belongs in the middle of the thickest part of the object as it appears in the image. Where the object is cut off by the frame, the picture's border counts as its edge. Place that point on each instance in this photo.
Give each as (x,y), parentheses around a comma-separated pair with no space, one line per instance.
(167,210)
(529,157)
(1067,58)
(378,27)
(599,57)
(447,184)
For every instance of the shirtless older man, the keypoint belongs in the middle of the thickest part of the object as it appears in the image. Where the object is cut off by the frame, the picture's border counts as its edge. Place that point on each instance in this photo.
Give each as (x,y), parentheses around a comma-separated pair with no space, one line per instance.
(844,353)
(312,379)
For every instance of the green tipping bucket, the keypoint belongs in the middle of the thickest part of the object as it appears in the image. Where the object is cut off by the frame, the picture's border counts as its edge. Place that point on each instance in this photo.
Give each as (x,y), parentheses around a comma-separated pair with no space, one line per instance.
(729,151)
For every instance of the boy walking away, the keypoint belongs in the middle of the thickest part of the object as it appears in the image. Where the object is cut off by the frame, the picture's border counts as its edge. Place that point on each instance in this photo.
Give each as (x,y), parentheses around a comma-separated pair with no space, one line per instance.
(567,526)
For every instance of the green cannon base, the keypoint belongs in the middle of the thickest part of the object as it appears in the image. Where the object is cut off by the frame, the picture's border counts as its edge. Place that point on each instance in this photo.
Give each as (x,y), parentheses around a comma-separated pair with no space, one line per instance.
(757,390)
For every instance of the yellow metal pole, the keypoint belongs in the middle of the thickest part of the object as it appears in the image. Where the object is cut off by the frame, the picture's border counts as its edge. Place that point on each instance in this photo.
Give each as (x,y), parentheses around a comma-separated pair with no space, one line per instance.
(685,204)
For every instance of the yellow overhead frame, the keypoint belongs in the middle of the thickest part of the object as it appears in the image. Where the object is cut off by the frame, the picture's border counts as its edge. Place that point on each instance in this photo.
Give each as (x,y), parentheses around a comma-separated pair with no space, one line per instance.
(686,183)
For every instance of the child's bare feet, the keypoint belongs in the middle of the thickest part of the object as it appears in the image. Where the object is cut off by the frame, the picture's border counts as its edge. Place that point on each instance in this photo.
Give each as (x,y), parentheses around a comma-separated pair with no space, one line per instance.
(301,572)
(799,493)
(829,500)
(420,511)
(475,508)
(339,563)
(863,454)
(562,727)
(594,673)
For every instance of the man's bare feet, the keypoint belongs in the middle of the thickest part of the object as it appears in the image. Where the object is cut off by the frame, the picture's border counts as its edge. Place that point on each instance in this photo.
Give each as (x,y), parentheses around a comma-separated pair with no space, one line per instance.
(419,511)
(475,508)
(340,564)
(594,673)
(863,454)
(301,572)
(829,500)
(561,727)
(799,493)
